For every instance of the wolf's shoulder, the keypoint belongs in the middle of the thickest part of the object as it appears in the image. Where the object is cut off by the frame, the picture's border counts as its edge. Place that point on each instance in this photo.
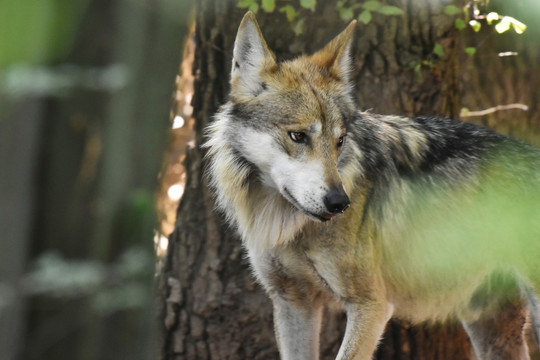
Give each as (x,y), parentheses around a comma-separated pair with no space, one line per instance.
(426,143)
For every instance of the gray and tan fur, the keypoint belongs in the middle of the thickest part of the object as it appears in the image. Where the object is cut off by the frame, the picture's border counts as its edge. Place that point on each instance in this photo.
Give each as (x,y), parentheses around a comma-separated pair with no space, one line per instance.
(383,215)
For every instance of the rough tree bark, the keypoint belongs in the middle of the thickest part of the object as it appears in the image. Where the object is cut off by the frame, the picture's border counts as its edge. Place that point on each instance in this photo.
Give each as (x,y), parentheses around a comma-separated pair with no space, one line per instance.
(212,307)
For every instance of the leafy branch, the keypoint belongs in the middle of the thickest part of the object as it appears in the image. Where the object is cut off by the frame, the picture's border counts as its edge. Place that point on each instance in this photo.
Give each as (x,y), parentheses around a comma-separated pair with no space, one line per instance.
(473,17)
(470,15)
(504,23)
(291,12)
(347,10)
(270,6)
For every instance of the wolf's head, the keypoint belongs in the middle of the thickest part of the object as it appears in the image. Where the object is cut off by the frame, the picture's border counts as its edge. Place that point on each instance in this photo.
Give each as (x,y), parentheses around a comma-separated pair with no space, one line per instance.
(289,119)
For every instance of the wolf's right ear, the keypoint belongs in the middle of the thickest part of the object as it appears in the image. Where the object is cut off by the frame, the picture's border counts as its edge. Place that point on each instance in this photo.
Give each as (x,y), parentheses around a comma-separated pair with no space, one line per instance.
(336,55)
(251,56)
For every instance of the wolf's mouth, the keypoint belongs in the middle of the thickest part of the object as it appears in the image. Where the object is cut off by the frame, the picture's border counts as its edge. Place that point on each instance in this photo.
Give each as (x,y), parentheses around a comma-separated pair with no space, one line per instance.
(290,198)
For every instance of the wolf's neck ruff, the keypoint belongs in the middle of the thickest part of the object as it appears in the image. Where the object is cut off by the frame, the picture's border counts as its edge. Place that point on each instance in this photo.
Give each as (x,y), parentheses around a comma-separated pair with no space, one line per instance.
(263,217)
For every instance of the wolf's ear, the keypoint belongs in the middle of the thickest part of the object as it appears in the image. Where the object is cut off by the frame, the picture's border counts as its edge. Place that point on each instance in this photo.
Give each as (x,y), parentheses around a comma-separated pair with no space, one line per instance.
(251,56)
(336,55)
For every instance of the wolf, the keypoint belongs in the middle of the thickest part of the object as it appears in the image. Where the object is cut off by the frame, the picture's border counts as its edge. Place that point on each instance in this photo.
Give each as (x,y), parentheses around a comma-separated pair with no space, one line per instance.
(425,219)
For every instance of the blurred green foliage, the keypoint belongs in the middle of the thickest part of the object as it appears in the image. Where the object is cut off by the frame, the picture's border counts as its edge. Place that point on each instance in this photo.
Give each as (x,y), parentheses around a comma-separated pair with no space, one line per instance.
(455,233)
(33,32)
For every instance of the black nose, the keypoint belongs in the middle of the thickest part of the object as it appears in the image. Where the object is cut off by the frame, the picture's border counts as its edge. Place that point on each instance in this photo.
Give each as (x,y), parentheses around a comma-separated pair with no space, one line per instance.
(336,200)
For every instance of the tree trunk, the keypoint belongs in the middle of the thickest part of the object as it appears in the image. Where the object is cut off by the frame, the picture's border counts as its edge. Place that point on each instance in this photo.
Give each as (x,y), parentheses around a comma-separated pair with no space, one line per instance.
(16,210)
(212,306)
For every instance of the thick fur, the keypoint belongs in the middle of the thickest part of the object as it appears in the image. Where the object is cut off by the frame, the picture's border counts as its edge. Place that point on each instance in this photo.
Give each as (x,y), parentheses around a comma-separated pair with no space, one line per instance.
(424,237)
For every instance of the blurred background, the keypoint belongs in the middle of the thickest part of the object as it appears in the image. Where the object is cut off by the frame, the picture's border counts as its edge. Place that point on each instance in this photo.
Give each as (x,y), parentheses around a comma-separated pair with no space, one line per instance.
(102,106)
(86,92)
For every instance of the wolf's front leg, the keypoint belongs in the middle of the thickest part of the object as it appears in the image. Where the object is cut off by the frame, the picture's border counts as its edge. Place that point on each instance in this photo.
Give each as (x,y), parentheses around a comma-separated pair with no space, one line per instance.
(365,325)
(297,329)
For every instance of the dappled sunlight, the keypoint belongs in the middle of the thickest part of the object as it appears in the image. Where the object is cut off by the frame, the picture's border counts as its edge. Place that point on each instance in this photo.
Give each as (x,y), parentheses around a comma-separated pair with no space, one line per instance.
(178,122)
(161,243)
(173,175)
(175,192)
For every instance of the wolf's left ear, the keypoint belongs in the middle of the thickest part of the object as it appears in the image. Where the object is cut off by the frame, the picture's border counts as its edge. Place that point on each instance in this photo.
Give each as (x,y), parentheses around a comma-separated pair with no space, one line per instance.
(336,56)
(251,57)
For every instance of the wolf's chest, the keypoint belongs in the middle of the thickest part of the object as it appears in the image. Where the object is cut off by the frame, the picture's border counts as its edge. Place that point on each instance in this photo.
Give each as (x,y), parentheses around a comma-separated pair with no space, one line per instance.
(322,262)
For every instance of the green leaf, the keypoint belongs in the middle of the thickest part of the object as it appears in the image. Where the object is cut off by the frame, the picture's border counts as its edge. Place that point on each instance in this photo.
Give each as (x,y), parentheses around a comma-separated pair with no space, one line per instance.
(357,6)
(476,26)
(518,26)
(245,3)
(254,7)
(372,5)
(299,26)
(365,17)
(418,72)
(508,21)
(460,24)
(470,51)
(390,10)
(452,10)
(503,25)
(346,13)
(289,11)
(308,4)
(519,29)
(492,16)
(438,50)
(268,5)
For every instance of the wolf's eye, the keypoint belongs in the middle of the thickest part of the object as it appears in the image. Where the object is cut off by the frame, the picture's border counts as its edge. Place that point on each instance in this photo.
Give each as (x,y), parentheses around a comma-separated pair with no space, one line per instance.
(298,136)
(341,141)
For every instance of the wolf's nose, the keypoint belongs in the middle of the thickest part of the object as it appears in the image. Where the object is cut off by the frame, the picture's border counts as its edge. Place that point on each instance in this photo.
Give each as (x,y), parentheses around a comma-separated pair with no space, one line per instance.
(336,200)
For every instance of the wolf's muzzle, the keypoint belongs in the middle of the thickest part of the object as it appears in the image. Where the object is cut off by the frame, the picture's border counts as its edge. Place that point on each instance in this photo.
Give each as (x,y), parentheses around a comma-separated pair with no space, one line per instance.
(336,200)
